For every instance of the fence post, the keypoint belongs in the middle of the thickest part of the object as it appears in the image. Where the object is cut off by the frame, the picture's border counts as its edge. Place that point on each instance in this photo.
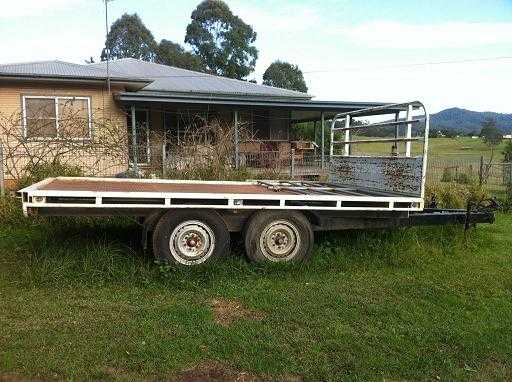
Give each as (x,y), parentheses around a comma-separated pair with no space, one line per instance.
(481,171)
(2,174)
(292,162)
(322,143)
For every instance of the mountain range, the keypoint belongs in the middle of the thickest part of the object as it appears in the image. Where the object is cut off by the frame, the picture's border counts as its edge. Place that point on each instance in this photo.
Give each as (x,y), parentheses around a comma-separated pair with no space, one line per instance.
(467,121)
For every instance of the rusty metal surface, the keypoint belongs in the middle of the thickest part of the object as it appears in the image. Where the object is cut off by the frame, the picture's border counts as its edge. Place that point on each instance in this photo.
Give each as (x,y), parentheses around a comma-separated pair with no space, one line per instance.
(127,186)
(389,174)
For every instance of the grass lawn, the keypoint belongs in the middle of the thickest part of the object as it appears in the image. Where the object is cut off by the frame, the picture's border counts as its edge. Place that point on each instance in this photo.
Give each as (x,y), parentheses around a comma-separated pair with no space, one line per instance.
(77,302)
(458,149)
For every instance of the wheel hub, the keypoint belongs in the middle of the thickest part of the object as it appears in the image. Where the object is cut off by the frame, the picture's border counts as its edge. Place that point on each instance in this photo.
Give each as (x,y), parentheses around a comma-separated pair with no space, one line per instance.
(192,241)
(280,240)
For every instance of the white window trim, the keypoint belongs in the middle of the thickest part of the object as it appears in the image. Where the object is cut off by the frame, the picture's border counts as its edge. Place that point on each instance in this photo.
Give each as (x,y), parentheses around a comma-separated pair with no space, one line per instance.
(56,100)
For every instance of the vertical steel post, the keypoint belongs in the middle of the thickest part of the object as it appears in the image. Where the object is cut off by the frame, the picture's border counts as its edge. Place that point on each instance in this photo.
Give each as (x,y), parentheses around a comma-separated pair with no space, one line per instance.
(237,143)
(331,146)
(322,116)
(2,174)
(395,144)
(134,143)
(409,132)
(346,150)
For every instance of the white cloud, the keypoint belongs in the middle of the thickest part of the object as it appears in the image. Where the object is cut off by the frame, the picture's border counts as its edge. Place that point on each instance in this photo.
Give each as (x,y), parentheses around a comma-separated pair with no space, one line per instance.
(481,86)
(285,18)
(16,8)
(389,34)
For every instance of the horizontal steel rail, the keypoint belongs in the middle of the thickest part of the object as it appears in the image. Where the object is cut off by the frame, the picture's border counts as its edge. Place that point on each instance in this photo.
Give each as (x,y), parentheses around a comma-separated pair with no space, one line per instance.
(378,109)
(379,124)
(384,140)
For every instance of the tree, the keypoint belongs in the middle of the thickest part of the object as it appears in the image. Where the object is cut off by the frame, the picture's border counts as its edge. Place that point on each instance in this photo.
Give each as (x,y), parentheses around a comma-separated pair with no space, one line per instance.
(284,75)
(507,153)
(222,40)
(129,38)
(170,53)
(490,133)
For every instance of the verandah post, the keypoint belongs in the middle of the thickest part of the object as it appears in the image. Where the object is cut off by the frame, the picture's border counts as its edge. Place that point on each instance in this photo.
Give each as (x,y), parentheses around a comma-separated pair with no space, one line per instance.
(237,143)
(322,116)
(134,143)
(2,174)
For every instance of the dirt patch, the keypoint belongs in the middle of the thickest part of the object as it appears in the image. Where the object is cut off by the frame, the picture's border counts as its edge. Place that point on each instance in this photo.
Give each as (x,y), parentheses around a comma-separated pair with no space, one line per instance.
(15,377)
(218,372)
(215,371)
(493,370)
(226,312)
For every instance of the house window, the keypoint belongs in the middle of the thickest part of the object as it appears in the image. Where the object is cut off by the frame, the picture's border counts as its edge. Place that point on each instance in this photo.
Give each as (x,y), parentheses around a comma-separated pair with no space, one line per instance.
(57,117)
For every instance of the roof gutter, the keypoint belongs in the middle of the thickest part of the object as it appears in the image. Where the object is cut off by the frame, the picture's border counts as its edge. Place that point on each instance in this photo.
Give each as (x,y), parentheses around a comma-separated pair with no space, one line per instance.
(139,83)
(245,101)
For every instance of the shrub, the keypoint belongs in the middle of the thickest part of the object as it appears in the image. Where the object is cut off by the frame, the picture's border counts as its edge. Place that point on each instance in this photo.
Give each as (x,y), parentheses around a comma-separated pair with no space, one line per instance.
(457,177)
(455,195)
(447,175)
(10,211)
(464,178)
(37,172)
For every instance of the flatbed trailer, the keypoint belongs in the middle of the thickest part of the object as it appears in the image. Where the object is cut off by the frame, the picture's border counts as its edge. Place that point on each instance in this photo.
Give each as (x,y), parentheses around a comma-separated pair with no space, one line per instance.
(188,222)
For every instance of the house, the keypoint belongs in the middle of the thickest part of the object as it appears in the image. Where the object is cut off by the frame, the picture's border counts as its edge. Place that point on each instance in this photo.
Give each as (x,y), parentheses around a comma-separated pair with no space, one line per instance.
(161,102)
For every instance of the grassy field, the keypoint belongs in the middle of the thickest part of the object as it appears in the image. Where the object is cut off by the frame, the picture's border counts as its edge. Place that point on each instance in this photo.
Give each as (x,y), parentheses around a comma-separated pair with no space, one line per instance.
(80,301)
(462,148)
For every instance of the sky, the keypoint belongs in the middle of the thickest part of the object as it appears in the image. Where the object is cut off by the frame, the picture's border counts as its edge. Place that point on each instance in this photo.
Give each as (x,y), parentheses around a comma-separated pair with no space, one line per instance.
(450,53)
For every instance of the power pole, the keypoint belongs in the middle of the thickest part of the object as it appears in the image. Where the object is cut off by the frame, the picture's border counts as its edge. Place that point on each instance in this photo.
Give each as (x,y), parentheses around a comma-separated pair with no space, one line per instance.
(107,48)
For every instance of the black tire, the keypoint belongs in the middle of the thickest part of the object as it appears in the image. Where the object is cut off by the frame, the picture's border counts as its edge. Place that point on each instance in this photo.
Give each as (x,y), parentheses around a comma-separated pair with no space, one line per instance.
(289,233)
(179,234)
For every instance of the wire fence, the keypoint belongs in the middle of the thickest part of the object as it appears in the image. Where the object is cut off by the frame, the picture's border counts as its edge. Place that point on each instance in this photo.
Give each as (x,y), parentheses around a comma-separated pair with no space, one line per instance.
(494,176)
(160,161)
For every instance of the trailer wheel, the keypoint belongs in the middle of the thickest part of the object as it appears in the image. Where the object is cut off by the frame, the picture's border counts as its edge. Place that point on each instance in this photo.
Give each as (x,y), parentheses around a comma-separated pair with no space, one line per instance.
(278,236)
(190,237)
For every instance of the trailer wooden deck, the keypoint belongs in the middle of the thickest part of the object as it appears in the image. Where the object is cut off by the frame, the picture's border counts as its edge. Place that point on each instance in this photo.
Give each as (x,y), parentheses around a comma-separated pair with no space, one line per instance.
(131,185)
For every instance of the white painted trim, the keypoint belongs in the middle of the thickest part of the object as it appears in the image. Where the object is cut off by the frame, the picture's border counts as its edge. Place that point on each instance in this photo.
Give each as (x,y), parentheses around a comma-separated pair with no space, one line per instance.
(56,101)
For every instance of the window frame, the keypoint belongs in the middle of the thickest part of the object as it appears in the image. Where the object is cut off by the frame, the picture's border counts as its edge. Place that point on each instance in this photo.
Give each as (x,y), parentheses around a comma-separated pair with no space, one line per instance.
(56,105)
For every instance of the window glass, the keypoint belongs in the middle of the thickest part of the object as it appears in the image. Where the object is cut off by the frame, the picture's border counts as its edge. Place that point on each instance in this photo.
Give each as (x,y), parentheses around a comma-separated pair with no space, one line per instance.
(41,121)
(73,118)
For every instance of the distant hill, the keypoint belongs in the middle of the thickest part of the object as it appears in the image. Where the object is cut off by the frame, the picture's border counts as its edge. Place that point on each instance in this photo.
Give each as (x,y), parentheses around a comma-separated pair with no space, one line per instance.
(467,121)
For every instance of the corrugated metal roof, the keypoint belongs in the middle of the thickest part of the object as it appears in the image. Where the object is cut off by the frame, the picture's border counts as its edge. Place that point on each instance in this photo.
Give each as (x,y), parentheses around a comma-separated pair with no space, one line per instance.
(176,80)
(60,69)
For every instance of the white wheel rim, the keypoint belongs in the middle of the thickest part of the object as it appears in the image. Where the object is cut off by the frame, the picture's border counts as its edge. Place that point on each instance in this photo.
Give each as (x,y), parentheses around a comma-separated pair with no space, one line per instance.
(192,242)
(280,240)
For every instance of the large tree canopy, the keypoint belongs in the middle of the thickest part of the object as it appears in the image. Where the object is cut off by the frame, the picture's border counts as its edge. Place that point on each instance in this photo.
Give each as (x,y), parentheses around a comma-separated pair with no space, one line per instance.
(129,38)
(170,53)
(490,133)
(222,40)
(284,75)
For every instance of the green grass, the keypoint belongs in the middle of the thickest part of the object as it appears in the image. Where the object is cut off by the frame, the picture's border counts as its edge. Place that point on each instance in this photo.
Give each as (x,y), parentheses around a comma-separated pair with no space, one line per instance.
(460,149)
(79,300)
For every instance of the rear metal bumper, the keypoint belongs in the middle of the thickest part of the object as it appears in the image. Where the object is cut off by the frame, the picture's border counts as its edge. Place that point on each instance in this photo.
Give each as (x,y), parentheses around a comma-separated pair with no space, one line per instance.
(437,216)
